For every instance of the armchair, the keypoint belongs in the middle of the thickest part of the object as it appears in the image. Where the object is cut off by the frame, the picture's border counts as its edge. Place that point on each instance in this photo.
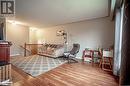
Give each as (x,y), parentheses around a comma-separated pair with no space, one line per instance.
(70,55)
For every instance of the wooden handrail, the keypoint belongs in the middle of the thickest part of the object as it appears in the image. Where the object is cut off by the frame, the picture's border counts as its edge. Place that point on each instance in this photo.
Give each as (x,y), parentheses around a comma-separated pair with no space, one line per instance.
(34,44)
(25,48)
(33,48)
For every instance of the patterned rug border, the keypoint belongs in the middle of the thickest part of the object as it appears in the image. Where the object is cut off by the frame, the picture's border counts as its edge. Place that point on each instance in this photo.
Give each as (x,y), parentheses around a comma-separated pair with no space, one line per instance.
(42,72)
(39,74)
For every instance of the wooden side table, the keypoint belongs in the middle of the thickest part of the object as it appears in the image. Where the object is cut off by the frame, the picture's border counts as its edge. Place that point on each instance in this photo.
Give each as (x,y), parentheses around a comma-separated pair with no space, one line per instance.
(107,58)
(97,55)
(90,55)
(87,54)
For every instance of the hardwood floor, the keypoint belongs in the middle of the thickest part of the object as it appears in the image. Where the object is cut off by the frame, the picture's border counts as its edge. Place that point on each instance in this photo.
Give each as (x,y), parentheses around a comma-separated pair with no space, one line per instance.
(76,74)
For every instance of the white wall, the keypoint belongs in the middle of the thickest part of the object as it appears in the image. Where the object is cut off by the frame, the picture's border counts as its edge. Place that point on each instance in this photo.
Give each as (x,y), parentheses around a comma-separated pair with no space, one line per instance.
(32,35)
(92,34)
(18,35)
(89,34)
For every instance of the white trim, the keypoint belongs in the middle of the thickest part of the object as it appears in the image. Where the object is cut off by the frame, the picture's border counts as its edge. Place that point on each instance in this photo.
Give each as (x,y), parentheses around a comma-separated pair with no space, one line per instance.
(78,57)
(14,54)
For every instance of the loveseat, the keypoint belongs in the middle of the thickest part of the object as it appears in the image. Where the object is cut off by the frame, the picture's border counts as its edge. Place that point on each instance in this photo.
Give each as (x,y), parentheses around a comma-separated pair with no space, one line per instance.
(51,50)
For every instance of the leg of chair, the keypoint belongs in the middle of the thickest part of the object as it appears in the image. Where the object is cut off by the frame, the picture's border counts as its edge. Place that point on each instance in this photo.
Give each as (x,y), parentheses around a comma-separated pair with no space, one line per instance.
(71,58)
(92,61)
(100,63)
(82,59)
(68,60)
(92,58)
(103,62)
(74,60)
(108,60)
(110,63)
(64,57)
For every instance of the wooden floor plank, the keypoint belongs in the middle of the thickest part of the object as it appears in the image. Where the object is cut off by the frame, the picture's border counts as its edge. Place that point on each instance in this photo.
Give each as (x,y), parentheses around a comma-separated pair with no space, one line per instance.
(76,74)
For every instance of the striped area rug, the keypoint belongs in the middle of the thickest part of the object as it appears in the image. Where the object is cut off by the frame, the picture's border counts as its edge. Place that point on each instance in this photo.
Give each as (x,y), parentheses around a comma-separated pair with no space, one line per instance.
(36,65)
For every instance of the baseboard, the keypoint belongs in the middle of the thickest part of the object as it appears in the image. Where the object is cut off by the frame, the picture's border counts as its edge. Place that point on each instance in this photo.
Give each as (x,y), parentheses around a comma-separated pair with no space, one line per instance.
(78,57)
(14,54)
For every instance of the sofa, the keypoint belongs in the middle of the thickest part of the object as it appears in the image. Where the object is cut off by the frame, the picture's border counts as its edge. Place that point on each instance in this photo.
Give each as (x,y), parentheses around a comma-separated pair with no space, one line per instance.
(51,50)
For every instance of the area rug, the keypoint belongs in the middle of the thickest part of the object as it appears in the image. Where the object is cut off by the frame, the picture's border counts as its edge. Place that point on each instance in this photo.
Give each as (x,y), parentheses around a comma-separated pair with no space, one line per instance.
(36,65)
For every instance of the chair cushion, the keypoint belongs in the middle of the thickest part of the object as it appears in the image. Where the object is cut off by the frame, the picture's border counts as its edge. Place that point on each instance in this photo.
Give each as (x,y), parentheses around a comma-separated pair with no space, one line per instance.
(107,53)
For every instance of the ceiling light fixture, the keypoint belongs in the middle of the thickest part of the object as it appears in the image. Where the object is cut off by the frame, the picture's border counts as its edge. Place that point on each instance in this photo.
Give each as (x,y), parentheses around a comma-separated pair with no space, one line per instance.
(33,29)
(15,22)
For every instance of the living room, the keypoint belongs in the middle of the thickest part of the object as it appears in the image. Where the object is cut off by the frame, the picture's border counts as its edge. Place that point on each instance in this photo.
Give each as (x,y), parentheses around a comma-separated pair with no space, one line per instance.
(97,33)
(41,33)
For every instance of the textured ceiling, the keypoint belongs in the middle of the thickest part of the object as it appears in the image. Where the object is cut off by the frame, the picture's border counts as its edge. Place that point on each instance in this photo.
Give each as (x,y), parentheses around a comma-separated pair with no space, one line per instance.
(42,13)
